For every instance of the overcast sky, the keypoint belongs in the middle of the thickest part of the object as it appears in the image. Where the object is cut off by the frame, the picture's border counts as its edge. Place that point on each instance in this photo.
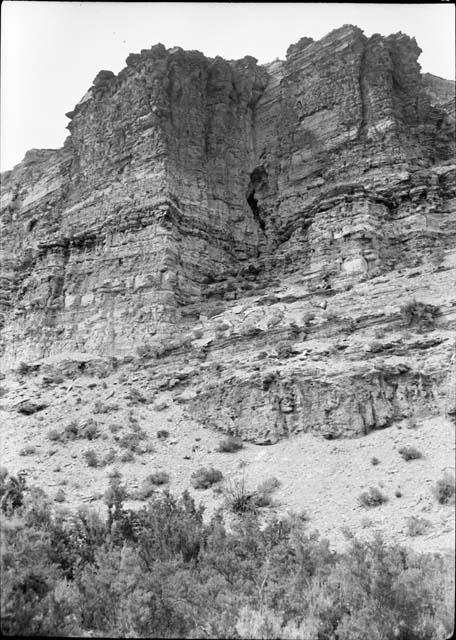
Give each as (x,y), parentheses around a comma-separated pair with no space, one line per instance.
(51,51)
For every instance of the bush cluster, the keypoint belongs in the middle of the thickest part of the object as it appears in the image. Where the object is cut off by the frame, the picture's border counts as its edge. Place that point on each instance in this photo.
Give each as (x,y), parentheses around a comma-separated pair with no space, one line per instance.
(74,431)
(372,498)
(161,571)
(133,442)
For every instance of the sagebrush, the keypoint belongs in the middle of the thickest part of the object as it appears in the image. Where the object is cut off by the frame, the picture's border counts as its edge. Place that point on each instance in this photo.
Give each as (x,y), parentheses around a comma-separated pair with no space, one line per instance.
(162,571)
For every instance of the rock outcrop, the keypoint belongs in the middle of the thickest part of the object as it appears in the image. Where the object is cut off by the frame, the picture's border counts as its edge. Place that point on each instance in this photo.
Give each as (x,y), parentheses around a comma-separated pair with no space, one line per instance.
(252,226)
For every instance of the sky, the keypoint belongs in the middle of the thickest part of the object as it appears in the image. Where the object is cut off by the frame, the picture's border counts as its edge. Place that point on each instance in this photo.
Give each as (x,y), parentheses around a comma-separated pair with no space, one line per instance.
(51,51)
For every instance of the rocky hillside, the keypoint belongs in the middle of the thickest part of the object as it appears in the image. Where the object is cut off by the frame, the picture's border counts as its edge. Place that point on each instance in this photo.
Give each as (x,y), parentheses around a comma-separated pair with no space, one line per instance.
(271,246)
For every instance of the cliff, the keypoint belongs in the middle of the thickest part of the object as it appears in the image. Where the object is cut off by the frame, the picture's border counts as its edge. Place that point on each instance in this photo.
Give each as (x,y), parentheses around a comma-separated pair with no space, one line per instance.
(247,234)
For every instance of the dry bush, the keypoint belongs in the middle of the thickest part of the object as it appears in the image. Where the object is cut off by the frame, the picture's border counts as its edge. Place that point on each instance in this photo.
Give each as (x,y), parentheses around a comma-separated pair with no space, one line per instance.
(410,453)
(127,456)
(372,498)
(28,450)
(60,496)
(149,484)
(230,444)
(91,458)
(444,489)
(417,526)
(203,478)
(419,314)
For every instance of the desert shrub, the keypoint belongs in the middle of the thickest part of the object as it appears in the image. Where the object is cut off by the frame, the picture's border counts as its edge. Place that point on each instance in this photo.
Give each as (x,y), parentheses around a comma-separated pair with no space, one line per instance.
(269,485)
(419,314)
(417,526)
(132,441)
(27,450)
(203,478)
(135,396)
(109,457)
(149,484)
(268,379)
(89,430)
(159,477)
(11,491)
(284,351)
(24,369)
(230,444)
(101,407)
(410,453)
(71,431)
(162,434)
(374,461)
(444,489)
(238,498)
(398,493)
(146,489)
(55,435)
(91,458)
(60,496)
(127,456)
(372,498)
(145,351)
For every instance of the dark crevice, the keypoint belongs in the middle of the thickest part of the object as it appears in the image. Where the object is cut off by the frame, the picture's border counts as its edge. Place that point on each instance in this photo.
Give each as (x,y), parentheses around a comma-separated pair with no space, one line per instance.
(363,93)
(253,204)
(258,180)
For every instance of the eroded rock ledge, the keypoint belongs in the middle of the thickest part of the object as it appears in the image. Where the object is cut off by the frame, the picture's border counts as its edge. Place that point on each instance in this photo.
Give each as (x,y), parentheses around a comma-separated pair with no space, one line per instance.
(190,187)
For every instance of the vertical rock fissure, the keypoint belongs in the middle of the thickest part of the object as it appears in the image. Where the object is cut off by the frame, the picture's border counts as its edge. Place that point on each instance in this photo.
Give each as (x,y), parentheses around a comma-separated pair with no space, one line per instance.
(363,94)
(258,179)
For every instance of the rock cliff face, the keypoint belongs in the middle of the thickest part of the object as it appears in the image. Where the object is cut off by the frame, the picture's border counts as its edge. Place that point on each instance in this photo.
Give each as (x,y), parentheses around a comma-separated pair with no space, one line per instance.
(244,230)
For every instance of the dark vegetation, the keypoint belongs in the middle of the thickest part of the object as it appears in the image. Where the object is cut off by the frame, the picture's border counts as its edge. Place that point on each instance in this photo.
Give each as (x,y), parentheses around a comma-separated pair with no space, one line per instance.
(230,444)
(74,431)
(203,478)
(419,314)
(372,498)
(161,571)
(444,489)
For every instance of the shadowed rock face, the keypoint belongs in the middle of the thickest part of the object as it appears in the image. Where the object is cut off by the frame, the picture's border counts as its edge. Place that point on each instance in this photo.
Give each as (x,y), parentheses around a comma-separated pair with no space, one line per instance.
(190,185)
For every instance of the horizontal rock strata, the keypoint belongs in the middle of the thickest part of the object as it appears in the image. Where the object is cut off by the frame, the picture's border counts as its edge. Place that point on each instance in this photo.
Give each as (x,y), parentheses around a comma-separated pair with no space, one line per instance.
(200,205)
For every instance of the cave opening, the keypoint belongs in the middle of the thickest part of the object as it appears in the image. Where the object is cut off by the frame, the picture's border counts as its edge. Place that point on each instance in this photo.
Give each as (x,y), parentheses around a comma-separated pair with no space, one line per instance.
(258,179)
